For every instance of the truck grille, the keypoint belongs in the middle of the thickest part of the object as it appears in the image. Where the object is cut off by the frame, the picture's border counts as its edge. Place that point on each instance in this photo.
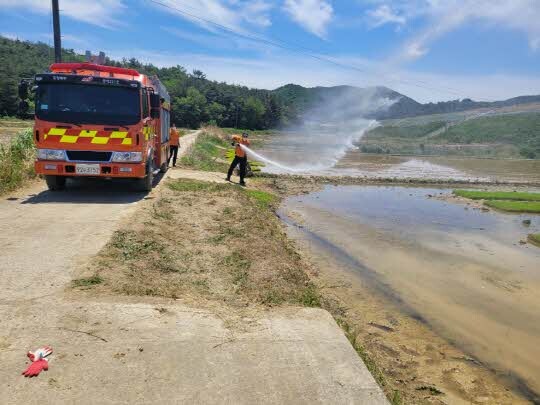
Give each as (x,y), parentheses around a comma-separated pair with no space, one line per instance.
(88,156)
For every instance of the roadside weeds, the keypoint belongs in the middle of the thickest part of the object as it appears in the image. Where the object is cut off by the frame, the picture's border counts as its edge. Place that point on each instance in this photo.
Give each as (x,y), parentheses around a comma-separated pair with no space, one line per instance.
(17,161)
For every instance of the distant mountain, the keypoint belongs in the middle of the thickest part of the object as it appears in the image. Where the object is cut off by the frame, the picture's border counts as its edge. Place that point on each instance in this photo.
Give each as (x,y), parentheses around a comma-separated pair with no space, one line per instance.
(370,101)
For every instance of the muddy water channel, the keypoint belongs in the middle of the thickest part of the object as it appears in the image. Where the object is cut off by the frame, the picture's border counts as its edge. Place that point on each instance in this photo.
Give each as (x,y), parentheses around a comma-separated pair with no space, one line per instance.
(461,269)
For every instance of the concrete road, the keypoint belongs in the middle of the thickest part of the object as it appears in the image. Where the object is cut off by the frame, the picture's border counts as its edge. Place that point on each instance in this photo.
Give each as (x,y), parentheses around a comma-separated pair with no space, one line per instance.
(131,351)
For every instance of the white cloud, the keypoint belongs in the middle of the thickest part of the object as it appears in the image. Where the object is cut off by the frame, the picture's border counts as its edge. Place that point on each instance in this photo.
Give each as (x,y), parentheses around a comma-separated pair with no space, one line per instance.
(313,15)
(443,16)
(385,15)
(233,14)
(414,50)
(103,13)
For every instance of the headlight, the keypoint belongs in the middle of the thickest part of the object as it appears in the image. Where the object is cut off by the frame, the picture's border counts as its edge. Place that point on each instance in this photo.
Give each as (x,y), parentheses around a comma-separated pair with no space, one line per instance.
(51,154)
(127,156)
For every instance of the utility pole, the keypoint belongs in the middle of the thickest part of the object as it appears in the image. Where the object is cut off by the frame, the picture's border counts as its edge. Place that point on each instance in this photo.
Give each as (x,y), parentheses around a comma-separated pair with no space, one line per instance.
(56,29)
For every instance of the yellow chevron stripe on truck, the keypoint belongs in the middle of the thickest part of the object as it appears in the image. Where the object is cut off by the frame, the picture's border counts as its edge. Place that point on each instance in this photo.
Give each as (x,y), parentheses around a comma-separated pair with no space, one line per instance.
(97,137)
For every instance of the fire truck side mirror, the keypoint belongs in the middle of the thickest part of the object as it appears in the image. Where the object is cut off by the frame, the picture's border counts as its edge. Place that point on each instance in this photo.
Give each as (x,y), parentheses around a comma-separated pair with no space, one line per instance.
(154,113)
(155,105)
(23,90)
(23,109)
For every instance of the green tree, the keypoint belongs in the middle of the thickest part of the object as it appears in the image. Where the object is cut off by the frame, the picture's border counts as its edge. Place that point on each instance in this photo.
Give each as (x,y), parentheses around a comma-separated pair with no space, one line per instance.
(214,113)
(189,111)
(253,113)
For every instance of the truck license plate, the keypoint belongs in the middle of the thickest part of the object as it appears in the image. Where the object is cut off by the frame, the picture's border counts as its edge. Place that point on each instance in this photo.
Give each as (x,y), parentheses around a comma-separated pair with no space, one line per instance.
(86,169)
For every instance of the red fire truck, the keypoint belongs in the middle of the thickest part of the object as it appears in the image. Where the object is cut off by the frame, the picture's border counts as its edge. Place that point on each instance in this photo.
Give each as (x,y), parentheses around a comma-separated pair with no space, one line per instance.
(100,121)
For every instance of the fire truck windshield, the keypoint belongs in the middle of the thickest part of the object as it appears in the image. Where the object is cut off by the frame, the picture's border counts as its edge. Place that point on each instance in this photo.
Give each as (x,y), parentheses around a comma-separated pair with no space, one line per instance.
(88,104)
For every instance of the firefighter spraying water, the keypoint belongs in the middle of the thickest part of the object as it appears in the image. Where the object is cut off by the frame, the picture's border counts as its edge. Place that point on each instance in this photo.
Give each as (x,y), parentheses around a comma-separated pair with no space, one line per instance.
(240,156)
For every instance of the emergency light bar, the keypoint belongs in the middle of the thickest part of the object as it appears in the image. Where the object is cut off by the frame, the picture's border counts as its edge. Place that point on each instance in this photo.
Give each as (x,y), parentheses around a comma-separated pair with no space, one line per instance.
(85,79)
(93,66)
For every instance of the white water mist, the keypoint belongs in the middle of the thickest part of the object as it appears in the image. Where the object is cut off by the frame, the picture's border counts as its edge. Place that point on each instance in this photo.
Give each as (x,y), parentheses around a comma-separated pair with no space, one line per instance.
(311,149)
(329,130)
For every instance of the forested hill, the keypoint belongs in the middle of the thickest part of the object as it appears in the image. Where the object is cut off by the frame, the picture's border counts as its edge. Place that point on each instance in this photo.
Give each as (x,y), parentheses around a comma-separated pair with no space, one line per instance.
(198,100)
(303,100)
(195,99)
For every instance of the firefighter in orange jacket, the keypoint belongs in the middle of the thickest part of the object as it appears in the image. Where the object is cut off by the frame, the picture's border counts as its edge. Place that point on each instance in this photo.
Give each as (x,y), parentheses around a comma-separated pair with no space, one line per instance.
(240,157)
(174,144)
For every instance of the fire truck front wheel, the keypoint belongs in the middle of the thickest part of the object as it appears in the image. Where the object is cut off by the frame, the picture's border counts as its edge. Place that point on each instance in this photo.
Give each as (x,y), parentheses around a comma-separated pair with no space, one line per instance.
(55,183)
(145,184)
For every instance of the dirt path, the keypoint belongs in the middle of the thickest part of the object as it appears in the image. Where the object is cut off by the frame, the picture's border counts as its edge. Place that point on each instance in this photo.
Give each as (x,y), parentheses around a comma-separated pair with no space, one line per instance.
(59,230)
(139,350)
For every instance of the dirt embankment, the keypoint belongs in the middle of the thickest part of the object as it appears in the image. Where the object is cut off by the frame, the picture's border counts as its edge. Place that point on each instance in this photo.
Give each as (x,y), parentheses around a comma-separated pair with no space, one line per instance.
(209,244)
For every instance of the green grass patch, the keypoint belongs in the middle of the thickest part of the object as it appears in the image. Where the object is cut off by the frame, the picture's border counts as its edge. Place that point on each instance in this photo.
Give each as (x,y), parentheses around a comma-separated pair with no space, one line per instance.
(534,238)
(239,266)
(311,297)
(515,206)
(206,154)
(131,245)
(497,195)
(17,161)
(186,185)
(87,281)
(263,198)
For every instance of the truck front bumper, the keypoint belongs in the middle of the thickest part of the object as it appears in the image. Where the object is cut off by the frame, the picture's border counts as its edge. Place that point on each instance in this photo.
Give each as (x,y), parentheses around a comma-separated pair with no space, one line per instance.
(62,168)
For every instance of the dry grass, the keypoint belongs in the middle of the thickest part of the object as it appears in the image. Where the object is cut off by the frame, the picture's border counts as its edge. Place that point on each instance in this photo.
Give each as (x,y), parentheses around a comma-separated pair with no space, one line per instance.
(208,242)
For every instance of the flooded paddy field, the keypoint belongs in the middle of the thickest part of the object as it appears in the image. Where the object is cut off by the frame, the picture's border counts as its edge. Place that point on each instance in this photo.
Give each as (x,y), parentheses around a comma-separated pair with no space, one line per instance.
(442,167)
(325,154)
(11,127)
(459,269)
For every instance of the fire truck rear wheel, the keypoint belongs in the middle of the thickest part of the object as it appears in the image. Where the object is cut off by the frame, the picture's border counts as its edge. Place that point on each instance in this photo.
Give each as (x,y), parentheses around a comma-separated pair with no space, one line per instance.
(55,183)
(164,167)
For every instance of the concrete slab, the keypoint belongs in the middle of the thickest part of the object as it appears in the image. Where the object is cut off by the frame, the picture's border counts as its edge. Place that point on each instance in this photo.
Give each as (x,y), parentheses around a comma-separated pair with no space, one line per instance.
(133,353)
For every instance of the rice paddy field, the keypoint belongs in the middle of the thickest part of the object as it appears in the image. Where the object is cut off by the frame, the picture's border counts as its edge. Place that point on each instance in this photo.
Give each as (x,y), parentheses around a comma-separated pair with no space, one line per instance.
(9,127)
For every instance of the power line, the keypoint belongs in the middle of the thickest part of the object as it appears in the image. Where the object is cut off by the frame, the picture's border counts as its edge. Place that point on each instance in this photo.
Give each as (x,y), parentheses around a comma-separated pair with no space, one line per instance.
(299,49)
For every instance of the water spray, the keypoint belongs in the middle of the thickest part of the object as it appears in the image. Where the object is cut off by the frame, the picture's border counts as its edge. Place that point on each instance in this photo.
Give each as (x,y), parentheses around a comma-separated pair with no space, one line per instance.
(281,166)
(326,154)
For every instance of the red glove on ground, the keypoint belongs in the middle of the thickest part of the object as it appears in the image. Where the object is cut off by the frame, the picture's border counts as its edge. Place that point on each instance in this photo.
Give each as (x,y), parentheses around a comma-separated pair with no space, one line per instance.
(36,367)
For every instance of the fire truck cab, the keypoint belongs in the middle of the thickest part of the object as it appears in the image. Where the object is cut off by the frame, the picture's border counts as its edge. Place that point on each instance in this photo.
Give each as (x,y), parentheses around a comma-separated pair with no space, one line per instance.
(100,121)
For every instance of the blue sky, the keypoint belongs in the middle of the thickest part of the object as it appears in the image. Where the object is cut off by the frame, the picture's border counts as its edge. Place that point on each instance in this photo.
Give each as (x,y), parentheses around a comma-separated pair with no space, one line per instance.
(428,49)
